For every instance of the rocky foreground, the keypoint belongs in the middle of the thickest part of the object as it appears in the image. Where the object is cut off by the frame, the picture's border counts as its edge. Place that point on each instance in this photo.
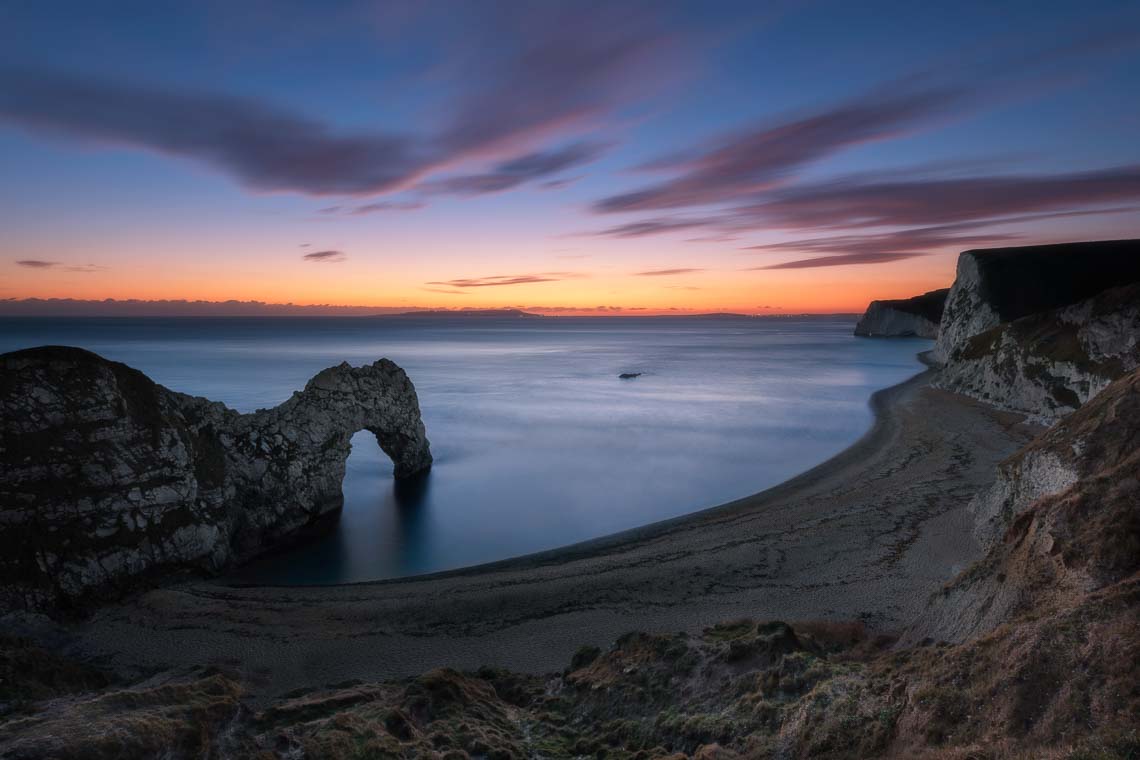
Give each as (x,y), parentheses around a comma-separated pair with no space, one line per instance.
(1047,665)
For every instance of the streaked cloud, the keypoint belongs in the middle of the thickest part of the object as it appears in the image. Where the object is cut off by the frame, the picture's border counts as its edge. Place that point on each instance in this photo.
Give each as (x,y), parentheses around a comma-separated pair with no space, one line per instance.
(326,257)
(759,158)
(666,272)
(573,66)
(504,279)
(59,266)
(372,208)
(517,171)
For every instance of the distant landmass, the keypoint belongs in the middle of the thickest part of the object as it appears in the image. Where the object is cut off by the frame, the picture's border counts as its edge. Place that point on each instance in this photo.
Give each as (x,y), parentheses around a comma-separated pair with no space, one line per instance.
(452,313)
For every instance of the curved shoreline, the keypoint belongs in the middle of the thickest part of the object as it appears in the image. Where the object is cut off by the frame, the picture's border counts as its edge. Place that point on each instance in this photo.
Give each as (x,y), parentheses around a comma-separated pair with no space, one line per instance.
(871,440)
(866,534)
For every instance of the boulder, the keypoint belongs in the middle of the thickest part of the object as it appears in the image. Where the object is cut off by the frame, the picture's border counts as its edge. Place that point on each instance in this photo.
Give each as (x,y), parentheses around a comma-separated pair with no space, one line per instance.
(111,480)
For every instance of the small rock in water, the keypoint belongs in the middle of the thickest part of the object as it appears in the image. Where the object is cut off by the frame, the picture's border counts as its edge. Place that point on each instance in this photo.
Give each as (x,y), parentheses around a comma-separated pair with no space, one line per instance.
(628,375)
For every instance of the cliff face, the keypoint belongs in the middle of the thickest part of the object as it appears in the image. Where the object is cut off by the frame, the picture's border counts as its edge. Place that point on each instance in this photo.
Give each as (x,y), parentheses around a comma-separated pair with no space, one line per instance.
(1040,330)
(1061,521)
(999,285)
(111,479)
(918,316)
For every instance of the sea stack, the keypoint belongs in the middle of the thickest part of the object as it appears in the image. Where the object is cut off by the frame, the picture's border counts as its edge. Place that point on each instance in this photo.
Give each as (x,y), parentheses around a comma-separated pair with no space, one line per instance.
(904,317)
(111,480)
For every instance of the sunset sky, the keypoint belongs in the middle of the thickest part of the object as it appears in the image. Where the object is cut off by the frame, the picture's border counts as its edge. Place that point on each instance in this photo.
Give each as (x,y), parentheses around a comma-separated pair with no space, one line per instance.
(564,158)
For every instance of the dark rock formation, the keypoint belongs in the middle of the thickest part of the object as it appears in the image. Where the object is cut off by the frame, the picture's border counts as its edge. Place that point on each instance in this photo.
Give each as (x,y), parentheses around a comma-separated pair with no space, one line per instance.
(999,285)
(110,479)
(917,317)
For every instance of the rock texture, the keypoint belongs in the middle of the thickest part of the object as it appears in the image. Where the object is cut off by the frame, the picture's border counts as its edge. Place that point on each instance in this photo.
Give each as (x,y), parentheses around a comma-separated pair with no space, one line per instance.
(110,479)
(1061,520)
(999,285)
(1041,330)
(916,317)
(1046,365)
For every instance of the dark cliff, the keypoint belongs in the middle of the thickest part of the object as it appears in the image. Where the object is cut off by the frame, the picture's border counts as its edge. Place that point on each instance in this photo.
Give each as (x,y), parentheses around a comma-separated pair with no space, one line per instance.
(1042,329)
(110,479)
(918,316)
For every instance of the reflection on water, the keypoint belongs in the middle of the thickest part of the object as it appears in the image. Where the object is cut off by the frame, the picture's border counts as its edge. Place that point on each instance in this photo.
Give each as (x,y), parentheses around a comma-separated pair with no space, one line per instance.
(537,443)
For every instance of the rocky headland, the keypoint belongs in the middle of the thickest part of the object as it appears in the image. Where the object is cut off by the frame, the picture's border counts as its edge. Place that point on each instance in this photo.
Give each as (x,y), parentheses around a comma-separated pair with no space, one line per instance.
(112,481)
(905,317)
(1041,329)
(959,585)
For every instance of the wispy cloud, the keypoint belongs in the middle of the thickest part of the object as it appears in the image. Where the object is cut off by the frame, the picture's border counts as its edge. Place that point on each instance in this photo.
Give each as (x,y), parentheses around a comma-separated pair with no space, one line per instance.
(41,264)
(866,202)
(666,272)
(759,158)
(572,67)
(517,171)
(649,227)
(372,208)
(326,257)
(502,279)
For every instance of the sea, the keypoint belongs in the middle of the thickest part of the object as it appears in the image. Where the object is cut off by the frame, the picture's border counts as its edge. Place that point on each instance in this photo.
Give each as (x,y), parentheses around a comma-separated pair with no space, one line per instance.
(538,442)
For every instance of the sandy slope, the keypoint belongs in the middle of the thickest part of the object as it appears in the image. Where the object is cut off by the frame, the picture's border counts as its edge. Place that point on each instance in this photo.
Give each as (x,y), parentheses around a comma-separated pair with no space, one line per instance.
(868,534)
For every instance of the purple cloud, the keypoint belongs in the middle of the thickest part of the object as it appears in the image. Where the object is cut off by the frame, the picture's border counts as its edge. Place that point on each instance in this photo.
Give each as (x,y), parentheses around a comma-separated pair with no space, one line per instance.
(372,208)
(517,171)
(495,281)
(653,227)
(666,272)
(566,68)
(326,257)
(41,264)
(840,261)
(759,158)
(865,202)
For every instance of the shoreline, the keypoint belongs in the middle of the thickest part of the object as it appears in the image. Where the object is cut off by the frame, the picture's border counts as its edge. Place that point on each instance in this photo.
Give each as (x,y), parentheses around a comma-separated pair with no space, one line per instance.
(879,402)
(866,535)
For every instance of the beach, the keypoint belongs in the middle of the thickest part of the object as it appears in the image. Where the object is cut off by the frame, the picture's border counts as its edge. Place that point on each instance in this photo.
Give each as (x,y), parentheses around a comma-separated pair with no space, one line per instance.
(867,535)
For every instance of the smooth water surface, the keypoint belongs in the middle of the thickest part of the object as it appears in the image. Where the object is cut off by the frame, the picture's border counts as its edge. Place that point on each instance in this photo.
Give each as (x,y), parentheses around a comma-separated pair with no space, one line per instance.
(537,442)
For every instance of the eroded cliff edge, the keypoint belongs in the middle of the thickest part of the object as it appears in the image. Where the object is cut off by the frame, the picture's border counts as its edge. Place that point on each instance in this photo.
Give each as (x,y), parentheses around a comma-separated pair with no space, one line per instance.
(904,317)
(111,480)
(1040,330)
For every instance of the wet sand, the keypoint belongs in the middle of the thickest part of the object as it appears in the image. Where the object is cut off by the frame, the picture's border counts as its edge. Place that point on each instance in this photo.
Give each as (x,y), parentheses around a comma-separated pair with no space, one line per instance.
(866,535)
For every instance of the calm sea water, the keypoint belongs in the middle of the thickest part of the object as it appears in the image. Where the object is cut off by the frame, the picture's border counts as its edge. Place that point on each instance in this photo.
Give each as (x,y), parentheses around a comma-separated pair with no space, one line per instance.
(537,442)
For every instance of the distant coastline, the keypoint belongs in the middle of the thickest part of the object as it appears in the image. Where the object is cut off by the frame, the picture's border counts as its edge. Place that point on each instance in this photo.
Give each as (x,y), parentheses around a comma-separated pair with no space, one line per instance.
(110,307)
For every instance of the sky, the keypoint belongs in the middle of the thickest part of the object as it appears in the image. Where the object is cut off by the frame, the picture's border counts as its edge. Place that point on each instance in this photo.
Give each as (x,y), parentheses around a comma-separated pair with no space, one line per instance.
(564,158)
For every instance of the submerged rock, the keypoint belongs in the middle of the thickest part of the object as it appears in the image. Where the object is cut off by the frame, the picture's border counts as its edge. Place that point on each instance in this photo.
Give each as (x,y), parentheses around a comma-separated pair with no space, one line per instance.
(110,479)
(906,317)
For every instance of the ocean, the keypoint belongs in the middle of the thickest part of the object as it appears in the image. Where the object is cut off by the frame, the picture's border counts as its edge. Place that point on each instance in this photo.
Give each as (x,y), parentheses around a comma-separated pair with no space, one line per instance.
(537,441)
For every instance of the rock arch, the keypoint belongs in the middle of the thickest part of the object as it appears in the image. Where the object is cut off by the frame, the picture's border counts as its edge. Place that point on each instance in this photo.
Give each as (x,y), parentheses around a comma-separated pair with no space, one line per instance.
(111,479)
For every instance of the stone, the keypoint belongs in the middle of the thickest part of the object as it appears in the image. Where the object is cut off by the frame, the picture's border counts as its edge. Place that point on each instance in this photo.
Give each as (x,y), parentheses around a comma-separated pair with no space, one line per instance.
(998,285)
(111,481)
(906,317)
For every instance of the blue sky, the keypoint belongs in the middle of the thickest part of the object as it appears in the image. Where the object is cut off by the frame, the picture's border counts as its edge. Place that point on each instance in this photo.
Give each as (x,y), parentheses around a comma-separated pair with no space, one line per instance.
(794,156)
